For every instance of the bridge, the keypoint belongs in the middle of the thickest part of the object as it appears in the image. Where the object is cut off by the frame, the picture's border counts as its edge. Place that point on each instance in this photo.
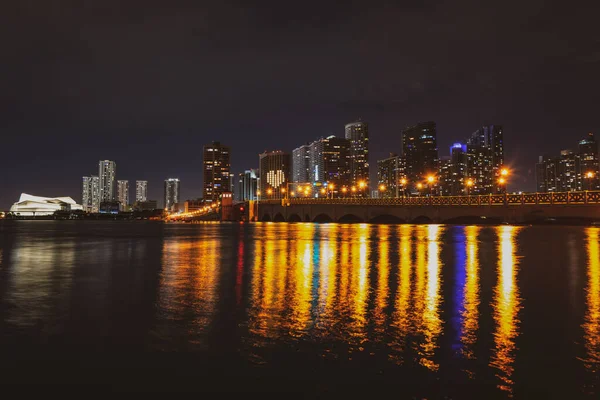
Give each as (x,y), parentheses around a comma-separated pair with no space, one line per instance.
(582,207)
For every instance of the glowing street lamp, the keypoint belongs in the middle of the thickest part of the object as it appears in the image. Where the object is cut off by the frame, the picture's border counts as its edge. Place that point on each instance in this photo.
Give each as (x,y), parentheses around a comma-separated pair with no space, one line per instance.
(292,194)
(504,172)
(469,184)
(589,176)
(382,188)
(269,191)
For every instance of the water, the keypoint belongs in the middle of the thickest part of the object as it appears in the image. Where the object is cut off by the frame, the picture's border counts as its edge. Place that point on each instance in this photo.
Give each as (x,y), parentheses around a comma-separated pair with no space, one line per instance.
(423,310)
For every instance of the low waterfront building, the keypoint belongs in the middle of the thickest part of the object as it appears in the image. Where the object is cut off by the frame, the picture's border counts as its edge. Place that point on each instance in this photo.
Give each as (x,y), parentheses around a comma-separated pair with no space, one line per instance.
(29,205)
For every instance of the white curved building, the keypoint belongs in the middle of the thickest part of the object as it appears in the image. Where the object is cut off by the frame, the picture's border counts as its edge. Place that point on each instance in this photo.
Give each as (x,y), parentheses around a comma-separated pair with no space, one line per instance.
(29,205)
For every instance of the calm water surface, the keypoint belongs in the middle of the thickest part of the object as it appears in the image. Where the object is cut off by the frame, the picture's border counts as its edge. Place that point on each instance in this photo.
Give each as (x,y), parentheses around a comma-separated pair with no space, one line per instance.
(419,310)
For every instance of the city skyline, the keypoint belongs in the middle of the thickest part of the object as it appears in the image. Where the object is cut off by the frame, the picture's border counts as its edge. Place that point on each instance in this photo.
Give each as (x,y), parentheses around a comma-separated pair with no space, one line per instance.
(303,76)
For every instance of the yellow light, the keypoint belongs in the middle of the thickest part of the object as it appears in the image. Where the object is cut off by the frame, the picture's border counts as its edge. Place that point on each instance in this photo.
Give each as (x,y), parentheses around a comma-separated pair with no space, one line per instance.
(331,186)
(589,175)
(282,190)
(419,185)
(470,182)
(354,188)
(344,189)
(502,181)
(258,192)
(430,179)
(382,188)
(504,172)
(269,191)
(361,184)
(293,194)
(403,181)
(323,191)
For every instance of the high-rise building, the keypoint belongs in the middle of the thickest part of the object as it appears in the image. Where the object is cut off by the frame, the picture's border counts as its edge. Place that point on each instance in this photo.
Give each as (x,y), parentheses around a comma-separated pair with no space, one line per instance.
(247,185)
(274,174)
(123,194)
(358,135)
(141,190)
(301,164)
(590,166)
(420,153)
(546,174)
(390,172)
(458,169)
(445,180)
(485,148)
(217,170)
(172,191)
(91,194)
(329,161)
(568,177)
(107,171)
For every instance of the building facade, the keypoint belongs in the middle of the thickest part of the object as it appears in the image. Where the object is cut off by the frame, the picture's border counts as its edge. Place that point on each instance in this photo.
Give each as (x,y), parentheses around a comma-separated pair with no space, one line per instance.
(123,194)
(329,162)
(90,199)
(571,171)
(217,171)
(590,166)
(420,153)
(358,135)
(274,174)
(247,186)
(458,169)
(485,148)
(301,164)
(172,193)
(107,171)
(141,190)
(390,172)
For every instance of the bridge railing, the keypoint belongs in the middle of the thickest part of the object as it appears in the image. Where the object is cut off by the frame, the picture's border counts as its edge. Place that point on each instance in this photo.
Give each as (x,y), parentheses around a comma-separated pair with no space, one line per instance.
(588,197)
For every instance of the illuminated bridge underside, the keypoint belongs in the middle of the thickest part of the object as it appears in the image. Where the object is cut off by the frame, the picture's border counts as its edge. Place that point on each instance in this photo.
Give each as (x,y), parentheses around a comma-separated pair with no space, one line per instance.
(523,208)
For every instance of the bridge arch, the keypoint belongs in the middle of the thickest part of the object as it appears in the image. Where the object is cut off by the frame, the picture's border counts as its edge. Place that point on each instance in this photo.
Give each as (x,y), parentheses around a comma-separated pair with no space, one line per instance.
(266,217)
(322,218)
(422,219)
(294,218)
(387,219)
(350,218)
(279,218)
(307,218)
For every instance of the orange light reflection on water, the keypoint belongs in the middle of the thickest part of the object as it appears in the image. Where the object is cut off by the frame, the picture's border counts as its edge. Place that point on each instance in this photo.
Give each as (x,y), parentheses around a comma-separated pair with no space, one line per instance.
(591,325)
(506,306)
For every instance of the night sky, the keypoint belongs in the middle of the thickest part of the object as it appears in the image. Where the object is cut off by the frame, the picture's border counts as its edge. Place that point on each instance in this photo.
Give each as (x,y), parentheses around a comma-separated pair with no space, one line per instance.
(147,83)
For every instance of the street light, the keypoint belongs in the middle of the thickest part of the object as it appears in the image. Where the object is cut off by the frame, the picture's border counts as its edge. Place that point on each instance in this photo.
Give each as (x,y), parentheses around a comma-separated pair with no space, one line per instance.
(469,184)
(430,181)
(269,191)
(589,176)
(504,172)
(382,188)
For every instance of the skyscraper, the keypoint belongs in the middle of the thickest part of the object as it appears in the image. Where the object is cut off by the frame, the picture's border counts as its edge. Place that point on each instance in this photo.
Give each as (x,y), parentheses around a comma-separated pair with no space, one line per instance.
(217,170)
(329,161)
(274,174)
(301,164)
(247,185)
(172,190)
(141,191)
(588,154)
(420,152)
(390,172)
(106,173)
(546,174)
(123,194)
(358,135)
(91,194)
(485,148)
(458,169)
(568,172)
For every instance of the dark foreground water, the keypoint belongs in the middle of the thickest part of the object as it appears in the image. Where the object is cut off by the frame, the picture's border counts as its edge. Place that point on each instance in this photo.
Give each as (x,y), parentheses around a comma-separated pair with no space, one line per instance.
(316,310)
